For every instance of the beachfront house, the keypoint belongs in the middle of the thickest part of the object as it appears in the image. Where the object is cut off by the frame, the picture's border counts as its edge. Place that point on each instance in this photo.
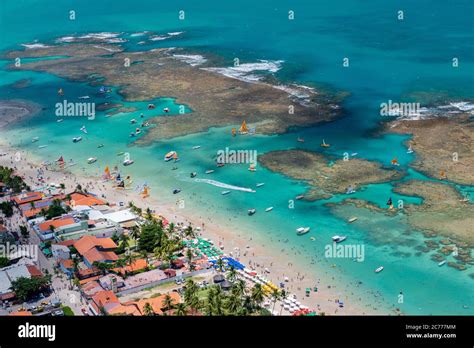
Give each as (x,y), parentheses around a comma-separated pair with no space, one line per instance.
(93,249)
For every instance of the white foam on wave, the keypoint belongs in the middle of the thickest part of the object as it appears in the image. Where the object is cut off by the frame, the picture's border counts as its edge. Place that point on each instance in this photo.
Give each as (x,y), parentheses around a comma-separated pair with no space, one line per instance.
(246,72)
(224,185)
(165,37)
(102,36)
(451,109)
(34,45)
(141,33)
(191,59)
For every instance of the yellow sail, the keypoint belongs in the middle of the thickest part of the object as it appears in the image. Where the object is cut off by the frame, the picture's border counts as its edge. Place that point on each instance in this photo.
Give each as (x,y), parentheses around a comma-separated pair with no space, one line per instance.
(233,132)
(243,128)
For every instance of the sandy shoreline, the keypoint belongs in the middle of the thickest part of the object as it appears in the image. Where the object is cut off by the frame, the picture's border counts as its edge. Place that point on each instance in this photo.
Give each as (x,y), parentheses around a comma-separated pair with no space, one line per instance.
(259,254)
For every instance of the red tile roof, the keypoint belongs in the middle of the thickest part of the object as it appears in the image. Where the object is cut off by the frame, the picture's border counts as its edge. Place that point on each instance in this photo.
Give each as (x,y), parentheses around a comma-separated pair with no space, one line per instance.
(95,255)
(56,223)
(27,197)
(85,199)
(136,265)
(34,271)
(68,264)
(86,243)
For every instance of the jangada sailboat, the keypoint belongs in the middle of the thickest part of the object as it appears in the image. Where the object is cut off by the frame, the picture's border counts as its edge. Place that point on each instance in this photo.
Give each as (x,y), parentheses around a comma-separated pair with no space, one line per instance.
(243,128)
(323,144)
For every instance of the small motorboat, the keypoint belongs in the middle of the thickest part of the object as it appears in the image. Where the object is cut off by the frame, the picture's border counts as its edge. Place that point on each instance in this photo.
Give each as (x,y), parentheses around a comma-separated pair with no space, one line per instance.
(338,239)
(166,110)
(300,140)
(35,139)
(299,197)
(323,144)
(144,124)
(302,230)
(151,106)
(76,139)
(354,154)
(196,147)
(133,135)
(219,164)
(410,149)
(176,190)
(193,175)
(210,171)
(91,160)
(250,212)
(100,145)
(225,192)
(133,121)
(269,209)
(60,120)
(352,219)
(379,269)
(171,155)
(395,162)
(137,131)
(442,263)
(128,162)
(253,168)
(260,184)
(83,97)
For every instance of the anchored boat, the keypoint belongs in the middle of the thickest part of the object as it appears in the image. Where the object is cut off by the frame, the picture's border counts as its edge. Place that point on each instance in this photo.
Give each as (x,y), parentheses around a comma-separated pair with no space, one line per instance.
(302,230)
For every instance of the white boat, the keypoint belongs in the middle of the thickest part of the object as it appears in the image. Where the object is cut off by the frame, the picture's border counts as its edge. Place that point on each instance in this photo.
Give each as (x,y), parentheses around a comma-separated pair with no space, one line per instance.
(166,109)
(225,192)
(133,121)
(378,270)
(352,219)
(196,147)
(210,171)
(83,129)
(299,197)
(251,211)
(60,120)
(338,239)
(170,155)
(441,263)
(269,209)
(354,154)
(35,139)
(260,184)
(302,230)
(76,139)
(410,149)
(91,160)
(128,162)
(84,97)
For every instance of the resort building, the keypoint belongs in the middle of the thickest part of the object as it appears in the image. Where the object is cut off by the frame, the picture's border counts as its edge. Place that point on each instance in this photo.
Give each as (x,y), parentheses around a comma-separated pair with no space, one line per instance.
(93,249)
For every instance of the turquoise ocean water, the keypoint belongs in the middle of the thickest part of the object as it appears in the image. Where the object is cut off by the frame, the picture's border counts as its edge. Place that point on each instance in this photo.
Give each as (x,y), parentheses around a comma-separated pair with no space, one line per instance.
(389,59)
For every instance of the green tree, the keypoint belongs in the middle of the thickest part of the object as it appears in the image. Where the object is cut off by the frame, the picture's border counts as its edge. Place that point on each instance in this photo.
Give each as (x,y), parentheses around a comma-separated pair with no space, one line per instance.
(24,232)
(4,261)
(257,295)
(24,288)
(148,309)
(181,309)
(168,302)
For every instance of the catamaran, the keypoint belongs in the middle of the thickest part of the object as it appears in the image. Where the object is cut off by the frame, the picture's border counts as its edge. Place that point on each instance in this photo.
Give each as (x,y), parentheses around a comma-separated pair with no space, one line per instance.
(269,209)
(379,269)
(170,155)
(338,239)
(76,139)
(91,160)
(302,230)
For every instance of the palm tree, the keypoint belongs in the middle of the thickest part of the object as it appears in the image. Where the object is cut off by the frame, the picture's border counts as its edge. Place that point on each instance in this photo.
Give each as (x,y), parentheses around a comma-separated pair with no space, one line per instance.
(189,255)
(181,309)
(233,303)
(189,232)
(167,302)
(240,287)
(275,296)
(220,264)
(62,186)
(148,309)
(134,232)
(78,188)
(232,275)
(257,294)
